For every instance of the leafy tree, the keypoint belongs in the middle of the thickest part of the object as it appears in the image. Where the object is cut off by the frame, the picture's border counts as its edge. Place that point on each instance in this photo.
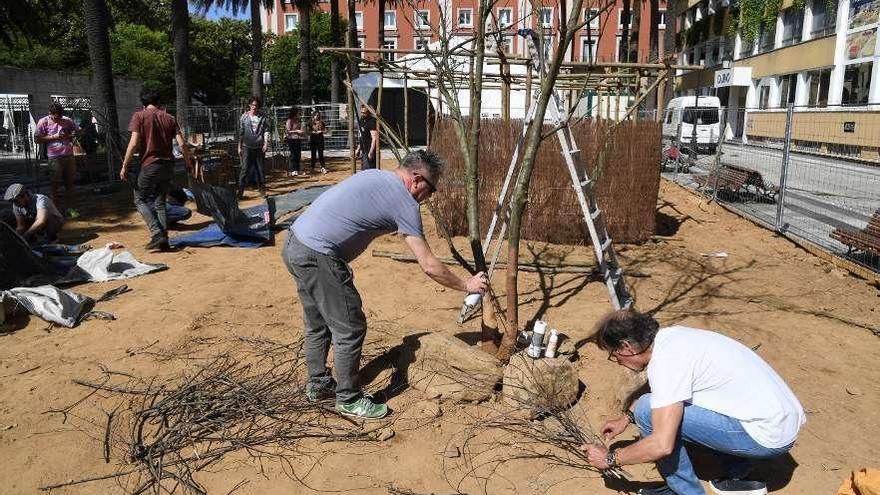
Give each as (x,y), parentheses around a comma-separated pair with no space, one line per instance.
(283,60)
(220,60)
(142,53)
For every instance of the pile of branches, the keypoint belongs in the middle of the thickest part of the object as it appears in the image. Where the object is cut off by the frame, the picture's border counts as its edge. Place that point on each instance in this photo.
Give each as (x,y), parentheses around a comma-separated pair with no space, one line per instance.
(249,398)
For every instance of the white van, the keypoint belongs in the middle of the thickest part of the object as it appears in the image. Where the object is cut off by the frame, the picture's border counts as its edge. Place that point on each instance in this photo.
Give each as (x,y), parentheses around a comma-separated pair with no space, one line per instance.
(697,118)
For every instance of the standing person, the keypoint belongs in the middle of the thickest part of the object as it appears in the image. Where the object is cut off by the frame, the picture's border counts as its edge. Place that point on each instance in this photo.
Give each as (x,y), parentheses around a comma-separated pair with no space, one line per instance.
(331,233)
(368,146)
(254,132)
(57,131)
(153,131)
(316,140)
(295,134)
(37,219)
(89,143)
(706,389)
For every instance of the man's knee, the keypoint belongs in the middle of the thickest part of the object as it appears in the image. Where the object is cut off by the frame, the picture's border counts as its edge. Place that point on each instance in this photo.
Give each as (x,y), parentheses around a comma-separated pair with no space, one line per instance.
(642,413)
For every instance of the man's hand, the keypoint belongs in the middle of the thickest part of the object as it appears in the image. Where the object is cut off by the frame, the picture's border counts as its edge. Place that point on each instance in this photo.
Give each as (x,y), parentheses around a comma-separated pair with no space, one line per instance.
(479,283)
(265,147)
(123,173)
(596,455)
(614,427)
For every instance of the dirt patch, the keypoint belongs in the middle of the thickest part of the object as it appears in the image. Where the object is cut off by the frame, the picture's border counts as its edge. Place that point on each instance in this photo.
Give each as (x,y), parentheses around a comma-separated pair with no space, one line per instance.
(801,314)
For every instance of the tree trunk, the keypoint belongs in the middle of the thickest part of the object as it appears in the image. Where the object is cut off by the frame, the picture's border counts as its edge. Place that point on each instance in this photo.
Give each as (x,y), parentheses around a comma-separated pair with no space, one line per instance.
(97,20)
(256,51)
(653,49)
(335,41)
(381,39)
(352,41)
(305,54)
(473,148)
(180,41)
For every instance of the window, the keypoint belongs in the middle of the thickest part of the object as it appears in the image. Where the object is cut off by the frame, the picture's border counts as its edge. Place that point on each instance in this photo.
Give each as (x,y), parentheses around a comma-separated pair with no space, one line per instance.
(669,114)
(423,19)
(767,38)
(856,82)
(359,20)
(290,22)
(465,18)
(792,26)
(661,22)
(620,52)
(746,48)
(507,44)
(700,115)
(787,89)
(764,96)
(819,82)
(505,17)
(546,17)
(391,19)
(592,15)
(588,49)
(362,41)
(620,19)
(390,44)
(824,18)
(421,43)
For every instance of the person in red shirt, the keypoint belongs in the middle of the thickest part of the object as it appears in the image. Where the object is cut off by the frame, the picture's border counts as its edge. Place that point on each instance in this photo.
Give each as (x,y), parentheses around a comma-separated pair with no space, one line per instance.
(153,132)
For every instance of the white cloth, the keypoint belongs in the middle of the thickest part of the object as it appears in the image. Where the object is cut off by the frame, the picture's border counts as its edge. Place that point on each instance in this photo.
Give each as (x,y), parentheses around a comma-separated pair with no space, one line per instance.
(718,373)
(100,265)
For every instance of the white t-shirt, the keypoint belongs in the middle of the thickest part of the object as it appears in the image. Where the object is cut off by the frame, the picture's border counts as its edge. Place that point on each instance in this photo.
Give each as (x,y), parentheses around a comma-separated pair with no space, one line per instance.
(718,373)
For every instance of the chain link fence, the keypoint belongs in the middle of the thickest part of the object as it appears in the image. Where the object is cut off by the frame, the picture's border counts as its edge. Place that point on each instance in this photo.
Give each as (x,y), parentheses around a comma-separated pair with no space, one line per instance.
(812,173)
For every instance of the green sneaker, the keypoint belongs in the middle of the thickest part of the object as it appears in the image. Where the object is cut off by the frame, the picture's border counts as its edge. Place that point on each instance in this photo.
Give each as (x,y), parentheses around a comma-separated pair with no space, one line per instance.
(363,408)
(317,393)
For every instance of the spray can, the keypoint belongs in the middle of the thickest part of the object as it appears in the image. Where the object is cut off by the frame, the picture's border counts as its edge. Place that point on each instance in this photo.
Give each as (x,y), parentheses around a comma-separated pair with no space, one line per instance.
(534,350)
(470,302)
(552,344)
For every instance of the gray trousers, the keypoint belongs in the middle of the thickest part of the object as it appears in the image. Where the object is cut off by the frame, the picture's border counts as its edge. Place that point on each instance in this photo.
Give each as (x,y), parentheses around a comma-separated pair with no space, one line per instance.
(332,311)
(153,184)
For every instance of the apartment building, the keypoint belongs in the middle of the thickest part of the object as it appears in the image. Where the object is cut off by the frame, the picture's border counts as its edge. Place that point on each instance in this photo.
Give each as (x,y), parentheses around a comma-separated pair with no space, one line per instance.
(408,25)
(823,58)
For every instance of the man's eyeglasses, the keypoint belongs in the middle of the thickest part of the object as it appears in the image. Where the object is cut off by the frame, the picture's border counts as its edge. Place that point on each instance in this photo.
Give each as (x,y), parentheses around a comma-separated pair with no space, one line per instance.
(613,355)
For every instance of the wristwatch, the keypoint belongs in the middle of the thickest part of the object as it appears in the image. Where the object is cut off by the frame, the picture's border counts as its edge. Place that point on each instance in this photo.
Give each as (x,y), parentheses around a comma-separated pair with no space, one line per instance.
(611,459)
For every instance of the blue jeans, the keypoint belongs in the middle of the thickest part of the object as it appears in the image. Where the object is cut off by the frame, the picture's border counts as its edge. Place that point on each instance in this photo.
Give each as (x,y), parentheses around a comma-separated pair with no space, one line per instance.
(721,433)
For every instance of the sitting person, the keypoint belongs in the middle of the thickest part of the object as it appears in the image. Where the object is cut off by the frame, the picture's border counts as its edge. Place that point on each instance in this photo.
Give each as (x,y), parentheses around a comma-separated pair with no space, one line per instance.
(706,389)
(175,208)
(37,219)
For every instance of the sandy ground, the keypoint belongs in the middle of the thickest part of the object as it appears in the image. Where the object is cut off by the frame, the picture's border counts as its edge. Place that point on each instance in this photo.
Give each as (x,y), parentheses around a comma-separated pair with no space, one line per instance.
(801,314)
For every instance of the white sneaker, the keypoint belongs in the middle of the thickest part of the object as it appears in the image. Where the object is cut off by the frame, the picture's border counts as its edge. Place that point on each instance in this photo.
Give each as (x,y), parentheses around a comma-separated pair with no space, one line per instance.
(738,487)
(323,170)
(294,174)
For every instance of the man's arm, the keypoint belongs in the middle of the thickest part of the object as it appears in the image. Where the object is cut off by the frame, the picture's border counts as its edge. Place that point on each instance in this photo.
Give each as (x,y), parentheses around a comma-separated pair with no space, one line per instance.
(665,422)
(20,225)
(435,269)
(185,150)
(38,224)
(129,152)
(374,143)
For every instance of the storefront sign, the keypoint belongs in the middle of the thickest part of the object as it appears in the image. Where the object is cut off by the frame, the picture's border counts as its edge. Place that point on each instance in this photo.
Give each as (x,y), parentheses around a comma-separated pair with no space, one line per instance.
(738,76)
(849,126)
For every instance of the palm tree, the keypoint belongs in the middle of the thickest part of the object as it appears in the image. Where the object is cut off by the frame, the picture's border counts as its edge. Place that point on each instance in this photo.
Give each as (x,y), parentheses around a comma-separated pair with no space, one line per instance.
(97,20)
(237,6)
(335,40)
(352,40)
(305,49)
(180,41)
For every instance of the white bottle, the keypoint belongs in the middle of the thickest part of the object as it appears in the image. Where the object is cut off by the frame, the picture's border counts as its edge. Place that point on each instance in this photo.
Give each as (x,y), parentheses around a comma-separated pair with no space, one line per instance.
(552,344)
(534,350)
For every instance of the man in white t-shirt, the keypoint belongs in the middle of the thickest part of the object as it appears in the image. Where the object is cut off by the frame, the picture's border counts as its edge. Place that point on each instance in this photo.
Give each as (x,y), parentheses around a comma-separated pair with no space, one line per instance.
(37,218)
(706,389)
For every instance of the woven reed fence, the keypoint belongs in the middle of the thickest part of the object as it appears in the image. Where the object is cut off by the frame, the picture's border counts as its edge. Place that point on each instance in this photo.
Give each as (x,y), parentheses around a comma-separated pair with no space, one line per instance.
(627,188)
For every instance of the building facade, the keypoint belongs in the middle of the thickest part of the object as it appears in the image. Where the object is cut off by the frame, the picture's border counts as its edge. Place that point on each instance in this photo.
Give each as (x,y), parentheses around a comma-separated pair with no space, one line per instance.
(823,58)
(411,25)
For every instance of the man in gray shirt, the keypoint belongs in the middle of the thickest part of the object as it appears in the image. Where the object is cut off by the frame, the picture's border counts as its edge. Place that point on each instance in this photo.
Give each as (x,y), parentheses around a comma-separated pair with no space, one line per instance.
(253,127)
(332,232)
(37,218)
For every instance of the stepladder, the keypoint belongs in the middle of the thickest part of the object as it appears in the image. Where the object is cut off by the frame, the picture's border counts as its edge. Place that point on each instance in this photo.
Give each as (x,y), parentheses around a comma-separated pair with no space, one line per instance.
(608,266)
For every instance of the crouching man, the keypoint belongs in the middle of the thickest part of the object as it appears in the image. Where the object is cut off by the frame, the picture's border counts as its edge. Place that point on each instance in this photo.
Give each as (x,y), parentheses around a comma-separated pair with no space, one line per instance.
(332,232)
(37,218)
(706,389)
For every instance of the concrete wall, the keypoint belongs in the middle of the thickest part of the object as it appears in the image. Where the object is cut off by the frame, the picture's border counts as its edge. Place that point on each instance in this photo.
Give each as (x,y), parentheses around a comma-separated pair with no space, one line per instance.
(40,85)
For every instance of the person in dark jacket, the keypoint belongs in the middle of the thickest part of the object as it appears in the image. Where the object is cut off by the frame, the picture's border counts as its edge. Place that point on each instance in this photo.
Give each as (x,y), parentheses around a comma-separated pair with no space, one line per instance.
(254,132)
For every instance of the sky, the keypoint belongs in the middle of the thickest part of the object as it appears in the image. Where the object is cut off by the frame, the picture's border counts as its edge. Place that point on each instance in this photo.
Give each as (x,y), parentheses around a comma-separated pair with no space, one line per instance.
(217,13)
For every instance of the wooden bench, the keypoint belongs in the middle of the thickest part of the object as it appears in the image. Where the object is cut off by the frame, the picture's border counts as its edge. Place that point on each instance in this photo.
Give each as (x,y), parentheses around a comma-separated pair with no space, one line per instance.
(866,239)
(730,179)
(756,180)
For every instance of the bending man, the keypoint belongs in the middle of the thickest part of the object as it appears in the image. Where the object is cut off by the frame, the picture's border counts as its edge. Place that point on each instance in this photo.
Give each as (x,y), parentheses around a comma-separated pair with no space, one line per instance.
(332,232)
(36,217)
(706,389)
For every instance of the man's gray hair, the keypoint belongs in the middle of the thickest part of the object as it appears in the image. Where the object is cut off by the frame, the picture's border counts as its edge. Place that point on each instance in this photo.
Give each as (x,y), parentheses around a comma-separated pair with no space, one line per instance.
(424,159)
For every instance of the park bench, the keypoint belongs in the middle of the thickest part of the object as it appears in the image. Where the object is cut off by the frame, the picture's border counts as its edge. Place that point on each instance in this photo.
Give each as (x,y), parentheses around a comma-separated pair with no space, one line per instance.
(734,179)
(866,239)
(756,180)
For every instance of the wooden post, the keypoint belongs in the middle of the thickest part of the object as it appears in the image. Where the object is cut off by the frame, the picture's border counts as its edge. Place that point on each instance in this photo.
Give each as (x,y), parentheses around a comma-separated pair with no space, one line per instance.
(351,113)
(505,93)
(661,96)
(428,116)
(378,118)
(617,104)
(405,111)
(528,89)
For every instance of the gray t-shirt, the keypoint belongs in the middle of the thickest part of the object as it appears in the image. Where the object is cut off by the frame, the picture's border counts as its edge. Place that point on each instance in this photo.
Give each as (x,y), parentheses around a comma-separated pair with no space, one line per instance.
(347,217)
(37,202)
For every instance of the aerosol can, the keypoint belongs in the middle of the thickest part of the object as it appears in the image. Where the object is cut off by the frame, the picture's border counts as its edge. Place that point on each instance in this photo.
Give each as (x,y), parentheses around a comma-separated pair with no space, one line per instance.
(534,350)
(471,301)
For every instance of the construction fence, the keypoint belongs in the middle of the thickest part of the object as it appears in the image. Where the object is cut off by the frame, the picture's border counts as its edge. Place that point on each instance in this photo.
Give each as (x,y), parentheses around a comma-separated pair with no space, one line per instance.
(810,173)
